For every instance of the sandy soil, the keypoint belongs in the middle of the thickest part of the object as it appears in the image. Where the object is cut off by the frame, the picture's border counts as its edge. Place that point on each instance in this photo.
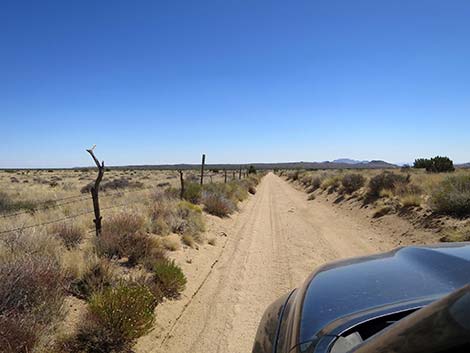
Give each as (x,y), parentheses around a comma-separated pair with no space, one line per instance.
(269,247)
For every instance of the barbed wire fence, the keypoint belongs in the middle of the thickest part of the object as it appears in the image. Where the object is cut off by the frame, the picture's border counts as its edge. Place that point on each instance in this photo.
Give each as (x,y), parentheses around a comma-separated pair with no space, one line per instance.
(75,199)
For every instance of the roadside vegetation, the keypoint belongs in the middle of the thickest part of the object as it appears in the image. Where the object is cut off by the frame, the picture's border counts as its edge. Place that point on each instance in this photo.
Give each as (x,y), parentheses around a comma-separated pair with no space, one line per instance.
(432,193)
(115,281)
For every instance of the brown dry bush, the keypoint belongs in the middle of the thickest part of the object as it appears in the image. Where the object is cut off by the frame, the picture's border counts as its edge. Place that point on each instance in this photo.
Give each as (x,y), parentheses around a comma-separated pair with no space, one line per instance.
(70,234)
(352,182)
(99,277)
(217,204)
(31,295)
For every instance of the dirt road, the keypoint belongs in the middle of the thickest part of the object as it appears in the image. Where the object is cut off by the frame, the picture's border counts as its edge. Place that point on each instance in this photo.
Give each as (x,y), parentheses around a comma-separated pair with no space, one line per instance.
(275,241)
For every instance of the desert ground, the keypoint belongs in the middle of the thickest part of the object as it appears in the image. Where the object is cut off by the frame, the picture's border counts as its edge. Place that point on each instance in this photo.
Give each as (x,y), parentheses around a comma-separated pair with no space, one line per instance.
(277,230)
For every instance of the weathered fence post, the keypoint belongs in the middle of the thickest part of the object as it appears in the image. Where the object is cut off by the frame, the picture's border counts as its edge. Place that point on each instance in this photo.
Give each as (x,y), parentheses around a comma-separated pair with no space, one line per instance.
(182,184)
(240,173)
(95,190)
(225,176)
(202,168)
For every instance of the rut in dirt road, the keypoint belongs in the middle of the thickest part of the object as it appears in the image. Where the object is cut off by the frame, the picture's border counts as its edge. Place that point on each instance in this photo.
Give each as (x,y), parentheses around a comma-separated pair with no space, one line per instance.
(274,243)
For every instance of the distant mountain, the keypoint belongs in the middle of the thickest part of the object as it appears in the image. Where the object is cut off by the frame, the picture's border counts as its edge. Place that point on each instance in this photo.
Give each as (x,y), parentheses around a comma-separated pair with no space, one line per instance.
(463,165)
(348,161)
(376,164)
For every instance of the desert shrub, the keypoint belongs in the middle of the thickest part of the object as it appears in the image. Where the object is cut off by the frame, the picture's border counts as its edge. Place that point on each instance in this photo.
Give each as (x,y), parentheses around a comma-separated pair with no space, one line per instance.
(352,182)
(122,236)
(190,219)
(126,310)
(5,202)
(251,189)
(99,277)
(170,278)
(218,204)
(192,192)
(168,215)
(409,194)
(93,337)
(9,205)
(115,184)
(315,184)
(188,240)
(31,295)
(452,196)
(294,176)
(31,282)
(18,334)
(385,181)
(235,190)
(70,234)
(331,183)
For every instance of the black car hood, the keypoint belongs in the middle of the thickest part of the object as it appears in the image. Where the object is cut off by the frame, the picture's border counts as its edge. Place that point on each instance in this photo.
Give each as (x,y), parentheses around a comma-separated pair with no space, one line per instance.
(405,275)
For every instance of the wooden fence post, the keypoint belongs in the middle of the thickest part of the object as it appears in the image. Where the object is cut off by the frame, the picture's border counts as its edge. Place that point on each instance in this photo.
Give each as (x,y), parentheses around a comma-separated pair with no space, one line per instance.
(240,173)
(225,176)
(182,184)
(202,168)
(233,174)
(95,190)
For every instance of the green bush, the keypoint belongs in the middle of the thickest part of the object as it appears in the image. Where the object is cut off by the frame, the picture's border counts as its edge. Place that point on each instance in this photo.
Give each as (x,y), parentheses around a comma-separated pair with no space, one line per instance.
(252,170)
(170,278)
(452,196)
(125,311)
(353,182)
(437,164)
(385,181)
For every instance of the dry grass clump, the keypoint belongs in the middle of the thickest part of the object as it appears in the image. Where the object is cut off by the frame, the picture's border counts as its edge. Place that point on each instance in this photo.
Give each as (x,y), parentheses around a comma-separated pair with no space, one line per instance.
(171,242)
(188,240)
(452,196)
(70,234)
(331,183)
(168,215)
(99,276)
(456,234)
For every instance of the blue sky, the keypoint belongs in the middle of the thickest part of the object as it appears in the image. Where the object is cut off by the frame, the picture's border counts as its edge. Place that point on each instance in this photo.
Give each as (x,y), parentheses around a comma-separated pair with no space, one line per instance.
(242,81)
